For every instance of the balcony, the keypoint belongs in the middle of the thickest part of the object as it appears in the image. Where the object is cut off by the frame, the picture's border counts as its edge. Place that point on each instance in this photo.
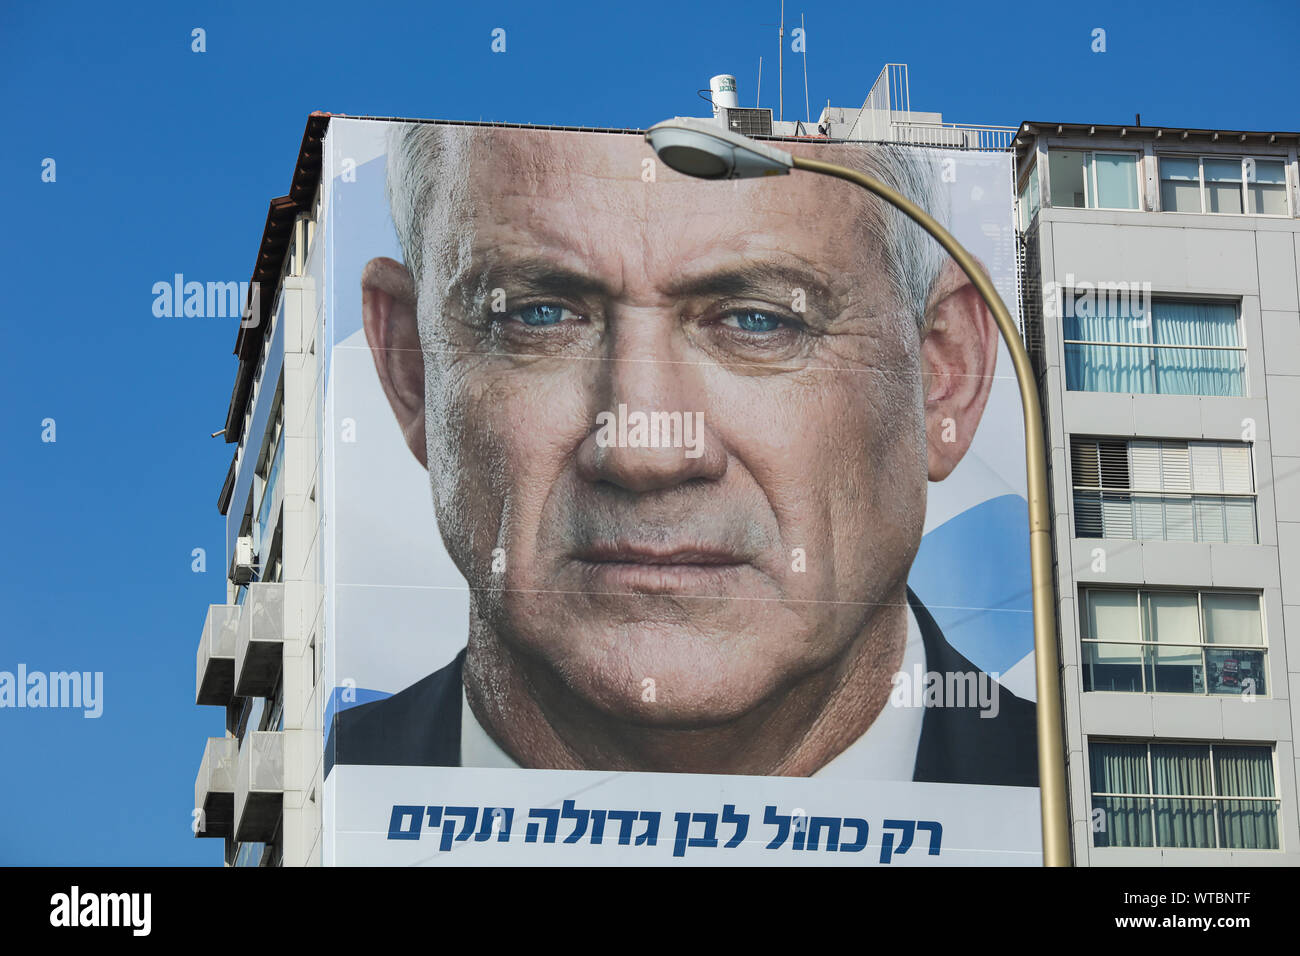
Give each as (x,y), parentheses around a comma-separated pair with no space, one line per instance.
(260,641)
(215,681)
(214,788)
(259,786)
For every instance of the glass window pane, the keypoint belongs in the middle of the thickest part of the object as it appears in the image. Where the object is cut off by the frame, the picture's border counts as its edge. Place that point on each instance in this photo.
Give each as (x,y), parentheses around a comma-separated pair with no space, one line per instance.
(1236,671)
(1246,772)
(1113,667)
(1180,196)
(1116,516)
(1112,615)
(1175,670)
(1148,517)
(1223,197)
(1087,514)
(1116,176)
(1180,170)
(1270,171)
(1232,619)
(1222,171)
(1212,367)
(1110,318)
(1209,519)
(1181,769)
(1065,170)
(1118,768)
(1178,520)
(1185,823)
(1173,617)
(1175,466)
(1223,185)
(1124,821)
(1242,771)
(1249,824)
(1267,199)
(1240,516)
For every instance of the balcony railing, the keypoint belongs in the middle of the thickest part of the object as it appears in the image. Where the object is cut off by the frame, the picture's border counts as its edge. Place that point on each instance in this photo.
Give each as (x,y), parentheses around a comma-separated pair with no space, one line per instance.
(259,786)
(215,678)
(1166,667)
(260,640)
(214,788)
(1153,368)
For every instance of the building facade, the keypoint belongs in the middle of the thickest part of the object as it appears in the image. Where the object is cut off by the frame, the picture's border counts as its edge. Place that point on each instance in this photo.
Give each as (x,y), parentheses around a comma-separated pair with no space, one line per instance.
(258,787)
(1173,456)
(1161,311)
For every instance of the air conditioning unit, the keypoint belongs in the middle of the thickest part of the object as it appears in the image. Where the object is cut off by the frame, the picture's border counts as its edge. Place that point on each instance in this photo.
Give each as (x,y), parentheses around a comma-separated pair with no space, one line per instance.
(245,564)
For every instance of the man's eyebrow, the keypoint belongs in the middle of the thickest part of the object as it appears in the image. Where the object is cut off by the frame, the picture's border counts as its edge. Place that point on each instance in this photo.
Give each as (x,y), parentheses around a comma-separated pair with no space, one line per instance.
(752,277)
(523,276)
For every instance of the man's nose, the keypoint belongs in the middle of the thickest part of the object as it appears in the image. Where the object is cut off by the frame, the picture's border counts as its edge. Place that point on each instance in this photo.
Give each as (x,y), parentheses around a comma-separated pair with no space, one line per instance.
(651,428)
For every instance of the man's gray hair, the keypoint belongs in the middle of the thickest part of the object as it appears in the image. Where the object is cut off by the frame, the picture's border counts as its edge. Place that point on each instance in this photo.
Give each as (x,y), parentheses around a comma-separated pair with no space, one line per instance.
(912,258)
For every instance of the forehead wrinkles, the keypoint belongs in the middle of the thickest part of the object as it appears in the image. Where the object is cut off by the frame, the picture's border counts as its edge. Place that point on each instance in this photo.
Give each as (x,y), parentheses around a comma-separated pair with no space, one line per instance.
(580,192)
(488,176)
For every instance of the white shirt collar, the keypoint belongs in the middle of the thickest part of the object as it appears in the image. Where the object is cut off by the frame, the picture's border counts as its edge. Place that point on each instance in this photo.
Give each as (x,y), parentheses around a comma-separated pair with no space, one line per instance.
(887,751)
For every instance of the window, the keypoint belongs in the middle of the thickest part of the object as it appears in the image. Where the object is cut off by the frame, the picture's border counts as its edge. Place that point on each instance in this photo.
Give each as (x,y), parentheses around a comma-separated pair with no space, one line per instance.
(1091,180)
(1183,795)
(1029,202)
(1218,185)
(1163,490)
(1172,642)
(1117,344)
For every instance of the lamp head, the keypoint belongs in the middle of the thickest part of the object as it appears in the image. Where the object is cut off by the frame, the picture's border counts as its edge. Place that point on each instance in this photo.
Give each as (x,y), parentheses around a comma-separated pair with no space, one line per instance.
(705,150)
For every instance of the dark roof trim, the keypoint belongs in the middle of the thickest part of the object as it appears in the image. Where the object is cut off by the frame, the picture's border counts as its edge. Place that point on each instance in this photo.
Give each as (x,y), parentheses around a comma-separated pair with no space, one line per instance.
(276,234)
(228,488)
(1173,133)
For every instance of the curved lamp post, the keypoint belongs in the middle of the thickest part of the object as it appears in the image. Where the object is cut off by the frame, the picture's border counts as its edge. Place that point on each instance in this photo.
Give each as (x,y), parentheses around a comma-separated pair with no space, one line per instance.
(705,150)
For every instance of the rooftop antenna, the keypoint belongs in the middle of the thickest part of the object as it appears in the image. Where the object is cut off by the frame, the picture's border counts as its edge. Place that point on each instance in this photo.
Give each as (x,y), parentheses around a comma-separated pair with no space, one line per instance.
(803,38)
(780,65)
(758,90)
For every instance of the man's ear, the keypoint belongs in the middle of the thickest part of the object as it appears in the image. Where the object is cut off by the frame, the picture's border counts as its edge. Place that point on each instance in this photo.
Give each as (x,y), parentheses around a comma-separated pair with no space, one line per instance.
(388,314)
(958,357)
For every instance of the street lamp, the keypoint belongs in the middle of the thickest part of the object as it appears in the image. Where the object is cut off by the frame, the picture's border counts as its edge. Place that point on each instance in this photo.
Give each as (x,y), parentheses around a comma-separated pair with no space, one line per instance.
(705,150)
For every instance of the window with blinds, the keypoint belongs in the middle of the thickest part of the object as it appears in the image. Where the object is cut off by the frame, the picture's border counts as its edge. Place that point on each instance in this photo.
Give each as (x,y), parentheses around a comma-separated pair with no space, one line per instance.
(1163,490)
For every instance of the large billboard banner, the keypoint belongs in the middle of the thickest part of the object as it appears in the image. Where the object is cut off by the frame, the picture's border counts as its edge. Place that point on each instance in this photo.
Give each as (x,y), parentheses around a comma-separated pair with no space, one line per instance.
(668,521)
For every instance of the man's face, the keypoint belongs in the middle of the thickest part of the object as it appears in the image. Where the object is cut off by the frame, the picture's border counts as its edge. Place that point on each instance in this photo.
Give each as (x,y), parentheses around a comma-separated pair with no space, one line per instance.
(726,576)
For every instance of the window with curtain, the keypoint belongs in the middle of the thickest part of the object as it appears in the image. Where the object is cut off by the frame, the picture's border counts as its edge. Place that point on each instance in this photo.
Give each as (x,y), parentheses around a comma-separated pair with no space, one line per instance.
(1163,490)
(1086,179)
(1183,795)
(1216,184)
(1173,642)
(1173,348)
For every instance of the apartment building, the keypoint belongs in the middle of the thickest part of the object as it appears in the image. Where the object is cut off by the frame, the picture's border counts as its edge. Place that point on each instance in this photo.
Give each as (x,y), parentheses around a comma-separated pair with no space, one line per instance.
(258,785)
(1161,311)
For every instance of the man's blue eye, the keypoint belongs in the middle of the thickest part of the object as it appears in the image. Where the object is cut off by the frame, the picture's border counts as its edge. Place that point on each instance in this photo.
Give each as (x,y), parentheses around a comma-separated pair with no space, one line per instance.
(542,314)
(749,320)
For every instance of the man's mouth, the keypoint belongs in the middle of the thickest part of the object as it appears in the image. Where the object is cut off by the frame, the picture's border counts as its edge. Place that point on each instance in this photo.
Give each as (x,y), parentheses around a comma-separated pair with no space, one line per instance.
(659,568)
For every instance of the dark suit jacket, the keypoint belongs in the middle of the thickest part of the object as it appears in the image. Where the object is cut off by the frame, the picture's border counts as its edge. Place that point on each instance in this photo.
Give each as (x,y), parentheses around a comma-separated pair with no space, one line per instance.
(420,726)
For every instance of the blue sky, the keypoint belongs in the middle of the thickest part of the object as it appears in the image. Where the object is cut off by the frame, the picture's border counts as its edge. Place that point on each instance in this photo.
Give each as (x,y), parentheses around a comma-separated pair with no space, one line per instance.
(166,160)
